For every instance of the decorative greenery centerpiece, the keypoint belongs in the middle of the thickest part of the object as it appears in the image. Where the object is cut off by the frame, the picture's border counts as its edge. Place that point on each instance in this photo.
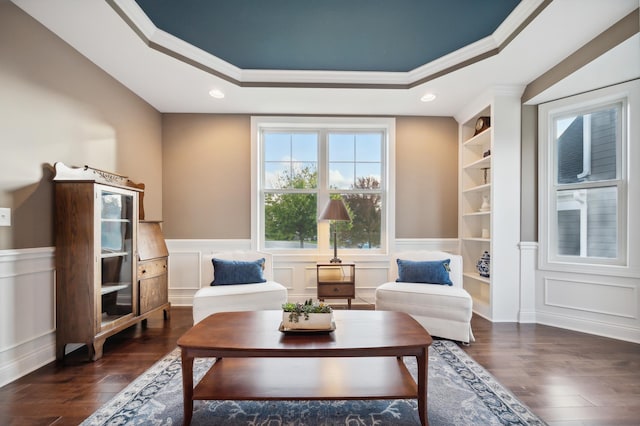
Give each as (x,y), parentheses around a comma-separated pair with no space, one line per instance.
(306,316)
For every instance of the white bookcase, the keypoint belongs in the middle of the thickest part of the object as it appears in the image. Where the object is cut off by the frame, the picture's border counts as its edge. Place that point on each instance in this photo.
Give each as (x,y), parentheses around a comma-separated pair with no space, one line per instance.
(489,203)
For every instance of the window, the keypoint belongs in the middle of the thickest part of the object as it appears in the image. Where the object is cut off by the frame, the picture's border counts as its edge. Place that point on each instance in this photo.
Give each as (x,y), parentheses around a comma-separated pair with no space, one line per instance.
(588,183)
(301,163)
(584,179)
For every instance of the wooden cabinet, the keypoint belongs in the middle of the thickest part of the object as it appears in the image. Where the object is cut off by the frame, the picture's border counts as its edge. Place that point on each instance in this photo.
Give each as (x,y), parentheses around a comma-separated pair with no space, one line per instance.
(336,281)
(97,291)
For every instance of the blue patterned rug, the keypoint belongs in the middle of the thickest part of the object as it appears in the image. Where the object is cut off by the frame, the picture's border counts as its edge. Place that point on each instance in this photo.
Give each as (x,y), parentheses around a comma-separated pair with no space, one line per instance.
(460,392)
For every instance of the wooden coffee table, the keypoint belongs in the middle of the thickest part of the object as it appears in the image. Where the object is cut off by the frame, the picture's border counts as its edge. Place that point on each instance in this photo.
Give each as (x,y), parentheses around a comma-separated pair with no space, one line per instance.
(360,359)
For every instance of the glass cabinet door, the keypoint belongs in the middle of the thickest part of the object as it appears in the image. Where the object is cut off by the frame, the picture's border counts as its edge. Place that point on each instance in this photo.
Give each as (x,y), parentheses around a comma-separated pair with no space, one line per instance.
(116,254)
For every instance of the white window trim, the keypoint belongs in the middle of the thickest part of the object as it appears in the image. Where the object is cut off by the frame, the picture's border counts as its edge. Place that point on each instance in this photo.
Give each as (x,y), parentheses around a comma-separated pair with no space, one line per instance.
(628,264)
(388,124)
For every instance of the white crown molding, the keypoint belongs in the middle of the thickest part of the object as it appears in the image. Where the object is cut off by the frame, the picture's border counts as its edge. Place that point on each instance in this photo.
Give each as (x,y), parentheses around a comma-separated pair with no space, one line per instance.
(485,99)
(164,42)
(516,18)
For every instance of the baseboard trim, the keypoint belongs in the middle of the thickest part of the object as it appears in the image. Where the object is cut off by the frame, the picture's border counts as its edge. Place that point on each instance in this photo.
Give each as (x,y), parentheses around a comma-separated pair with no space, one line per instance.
(27,357)
(611,331)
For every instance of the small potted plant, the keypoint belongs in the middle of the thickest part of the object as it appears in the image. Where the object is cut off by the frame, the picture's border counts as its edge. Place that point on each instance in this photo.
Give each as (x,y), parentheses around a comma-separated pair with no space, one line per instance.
(306,316)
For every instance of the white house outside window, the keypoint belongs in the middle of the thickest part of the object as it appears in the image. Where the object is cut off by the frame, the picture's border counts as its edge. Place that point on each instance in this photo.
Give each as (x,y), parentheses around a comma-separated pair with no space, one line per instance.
(302,163)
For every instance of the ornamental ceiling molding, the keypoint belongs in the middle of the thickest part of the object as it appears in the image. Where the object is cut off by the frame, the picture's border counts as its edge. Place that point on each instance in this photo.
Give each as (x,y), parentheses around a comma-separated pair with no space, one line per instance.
(177,48)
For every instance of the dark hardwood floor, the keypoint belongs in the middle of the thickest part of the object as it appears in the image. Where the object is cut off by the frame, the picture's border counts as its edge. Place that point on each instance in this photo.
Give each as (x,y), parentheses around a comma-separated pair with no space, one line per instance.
(567,378)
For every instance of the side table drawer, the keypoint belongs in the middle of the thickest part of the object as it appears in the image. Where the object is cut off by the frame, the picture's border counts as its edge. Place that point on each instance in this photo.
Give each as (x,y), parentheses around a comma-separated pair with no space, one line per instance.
(335,290)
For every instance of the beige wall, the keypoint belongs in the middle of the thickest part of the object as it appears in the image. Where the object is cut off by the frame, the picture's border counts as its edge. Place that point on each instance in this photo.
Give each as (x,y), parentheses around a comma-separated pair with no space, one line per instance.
(207,172)
(426,177)
(207,176)
(529,175)
(55,105)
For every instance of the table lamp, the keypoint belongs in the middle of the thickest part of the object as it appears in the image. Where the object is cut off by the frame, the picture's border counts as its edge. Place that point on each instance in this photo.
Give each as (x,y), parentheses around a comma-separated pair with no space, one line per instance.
(335,211)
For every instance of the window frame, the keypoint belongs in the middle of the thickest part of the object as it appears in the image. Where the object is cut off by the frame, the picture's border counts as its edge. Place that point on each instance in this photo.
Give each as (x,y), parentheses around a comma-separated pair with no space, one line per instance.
(549,258)
(324,125)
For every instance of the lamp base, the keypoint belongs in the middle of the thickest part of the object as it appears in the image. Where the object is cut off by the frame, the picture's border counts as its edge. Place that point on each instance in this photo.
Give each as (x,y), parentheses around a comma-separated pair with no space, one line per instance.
(335,260)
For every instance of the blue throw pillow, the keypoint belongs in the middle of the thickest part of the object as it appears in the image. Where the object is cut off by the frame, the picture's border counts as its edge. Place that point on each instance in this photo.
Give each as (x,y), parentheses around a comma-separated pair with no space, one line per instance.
(227,272)
(427,272)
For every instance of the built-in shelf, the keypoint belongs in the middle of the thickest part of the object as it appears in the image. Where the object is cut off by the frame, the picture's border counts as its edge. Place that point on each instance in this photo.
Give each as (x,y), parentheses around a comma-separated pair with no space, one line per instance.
(477,277)
(477,239)
(479,164)
(489,178)
(481,139)
(476,161)
(479,188)
(484,213)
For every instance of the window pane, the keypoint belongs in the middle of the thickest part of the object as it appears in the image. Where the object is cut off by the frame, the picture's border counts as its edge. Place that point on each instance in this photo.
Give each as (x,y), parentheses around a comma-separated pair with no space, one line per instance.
(272,173)
(588,222)
(354,157)
(290,160)
(341,175)
(367,171)
(277,146)
(304,147)
(368,147)
(587,146)
(341,147)
(290,221)
(366,219)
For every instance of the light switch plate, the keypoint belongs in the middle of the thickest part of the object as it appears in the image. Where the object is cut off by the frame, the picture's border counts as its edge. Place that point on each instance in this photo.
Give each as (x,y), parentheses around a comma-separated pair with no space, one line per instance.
(5,216)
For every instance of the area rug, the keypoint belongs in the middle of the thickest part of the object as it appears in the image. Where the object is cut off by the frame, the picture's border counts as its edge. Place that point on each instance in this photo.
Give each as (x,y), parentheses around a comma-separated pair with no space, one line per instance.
(460,392)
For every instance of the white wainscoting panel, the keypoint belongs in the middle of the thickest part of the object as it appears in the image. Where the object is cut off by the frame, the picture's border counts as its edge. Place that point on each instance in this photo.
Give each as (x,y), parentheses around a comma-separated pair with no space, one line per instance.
(451,245)
(27,311)
(185,270)
(596,304)
(590,296)
(190,269)
(190,265)
(285,276)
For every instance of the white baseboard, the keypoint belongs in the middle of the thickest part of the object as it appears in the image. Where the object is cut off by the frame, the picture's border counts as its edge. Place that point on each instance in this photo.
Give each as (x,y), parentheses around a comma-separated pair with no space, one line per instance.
(612,331)
(27,357)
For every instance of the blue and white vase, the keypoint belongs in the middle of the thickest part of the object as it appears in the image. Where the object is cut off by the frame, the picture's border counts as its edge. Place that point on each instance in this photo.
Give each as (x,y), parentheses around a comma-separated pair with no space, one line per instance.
(484,264)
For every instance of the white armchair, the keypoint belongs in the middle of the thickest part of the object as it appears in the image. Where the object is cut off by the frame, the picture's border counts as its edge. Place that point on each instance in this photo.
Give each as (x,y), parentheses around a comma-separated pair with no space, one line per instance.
(444,311)
(239,297)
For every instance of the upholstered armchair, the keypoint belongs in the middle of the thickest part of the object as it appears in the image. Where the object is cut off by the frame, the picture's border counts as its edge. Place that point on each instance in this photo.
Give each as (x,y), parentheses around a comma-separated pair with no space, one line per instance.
(430,289)
(241,281)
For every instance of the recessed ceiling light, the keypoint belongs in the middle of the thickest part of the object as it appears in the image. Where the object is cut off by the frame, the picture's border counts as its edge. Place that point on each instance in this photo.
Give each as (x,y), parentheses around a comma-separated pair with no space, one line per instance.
(216,93)
(428,97)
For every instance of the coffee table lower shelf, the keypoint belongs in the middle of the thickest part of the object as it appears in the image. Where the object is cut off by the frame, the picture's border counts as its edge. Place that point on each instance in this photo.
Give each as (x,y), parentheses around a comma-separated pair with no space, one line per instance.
(306,378)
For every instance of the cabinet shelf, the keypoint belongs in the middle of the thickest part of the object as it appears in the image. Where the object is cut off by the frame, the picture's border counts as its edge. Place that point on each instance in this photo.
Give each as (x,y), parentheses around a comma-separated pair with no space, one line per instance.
(483,213)
(479,188)
(481,139)
(107,254)
(479,164)
(116,220)
(112,287)
(477,239)
(476,276)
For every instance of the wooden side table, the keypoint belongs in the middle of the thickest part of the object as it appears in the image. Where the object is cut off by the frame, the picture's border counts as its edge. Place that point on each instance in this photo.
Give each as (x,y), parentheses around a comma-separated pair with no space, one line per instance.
(336,281)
